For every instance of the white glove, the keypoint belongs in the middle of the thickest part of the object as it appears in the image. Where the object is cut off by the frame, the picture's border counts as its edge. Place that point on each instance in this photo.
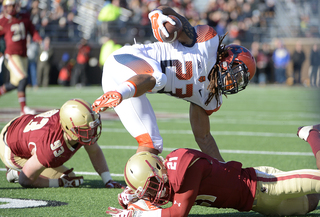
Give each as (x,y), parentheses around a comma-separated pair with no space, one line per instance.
(66,181)
(114,212)
(157,19)
(126,196)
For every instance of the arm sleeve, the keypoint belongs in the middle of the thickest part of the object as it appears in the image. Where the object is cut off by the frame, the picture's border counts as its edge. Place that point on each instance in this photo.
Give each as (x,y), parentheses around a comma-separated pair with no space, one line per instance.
(184,199)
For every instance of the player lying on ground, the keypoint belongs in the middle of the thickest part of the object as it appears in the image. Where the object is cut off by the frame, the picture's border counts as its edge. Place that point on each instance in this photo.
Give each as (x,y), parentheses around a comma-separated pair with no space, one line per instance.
(196,68)
(35,147)
(188,177)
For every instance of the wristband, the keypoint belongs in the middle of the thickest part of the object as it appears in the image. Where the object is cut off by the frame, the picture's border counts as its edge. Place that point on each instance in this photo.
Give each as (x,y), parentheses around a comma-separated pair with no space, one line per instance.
(127,89)
(54,183)
(106,177)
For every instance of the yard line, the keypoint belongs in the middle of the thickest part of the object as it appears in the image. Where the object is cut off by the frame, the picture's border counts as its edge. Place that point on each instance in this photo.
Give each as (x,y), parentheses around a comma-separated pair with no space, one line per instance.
(233,133)
(282,153)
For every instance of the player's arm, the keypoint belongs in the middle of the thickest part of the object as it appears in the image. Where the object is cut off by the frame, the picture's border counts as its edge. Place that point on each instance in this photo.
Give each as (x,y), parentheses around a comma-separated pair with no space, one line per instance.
(32,30)
(183,200)
(99,163)
(200,124)
(188,35)
(29,176)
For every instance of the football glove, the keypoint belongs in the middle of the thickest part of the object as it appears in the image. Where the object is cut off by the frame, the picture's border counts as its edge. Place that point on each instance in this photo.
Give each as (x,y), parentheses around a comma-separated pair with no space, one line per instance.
(114,212)
(143,205)
(108,100)
(126,196)
(114,184)
(66,181)
(157,18)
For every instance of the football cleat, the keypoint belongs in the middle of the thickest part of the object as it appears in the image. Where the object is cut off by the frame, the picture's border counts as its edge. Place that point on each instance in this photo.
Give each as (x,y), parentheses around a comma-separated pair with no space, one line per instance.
(108,100)
(12,175)
(303,132)
(27,110)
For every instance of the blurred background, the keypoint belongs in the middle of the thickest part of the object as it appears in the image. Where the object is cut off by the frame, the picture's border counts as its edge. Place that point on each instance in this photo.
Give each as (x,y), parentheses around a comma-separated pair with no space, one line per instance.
(282,35)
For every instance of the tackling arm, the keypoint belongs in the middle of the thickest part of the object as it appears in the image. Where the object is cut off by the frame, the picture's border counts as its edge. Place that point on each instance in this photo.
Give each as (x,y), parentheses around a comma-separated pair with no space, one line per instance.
(200,125)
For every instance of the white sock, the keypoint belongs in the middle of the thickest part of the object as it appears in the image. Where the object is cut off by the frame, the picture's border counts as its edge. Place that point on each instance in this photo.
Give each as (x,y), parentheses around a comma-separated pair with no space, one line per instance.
(127,89)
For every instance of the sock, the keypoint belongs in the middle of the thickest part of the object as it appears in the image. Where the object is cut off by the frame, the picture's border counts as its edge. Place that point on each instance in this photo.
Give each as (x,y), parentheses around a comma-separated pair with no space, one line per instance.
(314,141)
(2,90)
(22,101)
(127,89)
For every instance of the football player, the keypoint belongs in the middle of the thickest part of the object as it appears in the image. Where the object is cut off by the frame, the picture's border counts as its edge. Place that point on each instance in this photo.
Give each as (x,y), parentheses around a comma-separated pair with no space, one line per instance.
(14,27)
(197,68)
(189,177)
(35,147)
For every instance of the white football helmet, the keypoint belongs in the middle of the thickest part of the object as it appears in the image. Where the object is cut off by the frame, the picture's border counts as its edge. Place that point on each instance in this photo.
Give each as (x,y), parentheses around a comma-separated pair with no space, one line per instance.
(145,173)
(80,122)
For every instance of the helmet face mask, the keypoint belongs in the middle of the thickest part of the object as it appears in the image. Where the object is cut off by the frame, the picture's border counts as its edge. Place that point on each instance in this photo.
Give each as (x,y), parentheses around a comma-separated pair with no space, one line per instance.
(147,176)
(79,122)
(237,69)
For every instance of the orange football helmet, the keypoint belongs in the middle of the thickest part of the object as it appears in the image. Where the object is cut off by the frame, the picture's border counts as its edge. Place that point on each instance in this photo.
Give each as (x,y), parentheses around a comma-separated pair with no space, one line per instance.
(237,69)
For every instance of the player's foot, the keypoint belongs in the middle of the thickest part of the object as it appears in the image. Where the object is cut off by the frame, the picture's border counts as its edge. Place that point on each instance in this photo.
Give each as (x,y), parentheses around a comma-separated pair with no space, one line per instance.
(303,132)
(12,175)
(27,110)
(108,100)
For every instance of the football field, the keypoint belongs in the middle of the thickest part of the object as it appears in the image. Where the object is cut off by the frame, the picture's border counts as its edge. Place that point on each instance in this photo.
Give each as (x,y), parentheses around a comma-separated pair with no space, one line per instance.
(257,127)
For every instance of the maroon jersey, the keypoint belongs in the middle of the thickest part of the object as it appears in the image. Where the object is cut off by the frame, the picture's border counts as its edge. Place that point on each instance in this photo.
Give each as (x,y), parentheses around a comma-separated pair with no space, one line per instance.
(218,184)
(15,30)
(43,132)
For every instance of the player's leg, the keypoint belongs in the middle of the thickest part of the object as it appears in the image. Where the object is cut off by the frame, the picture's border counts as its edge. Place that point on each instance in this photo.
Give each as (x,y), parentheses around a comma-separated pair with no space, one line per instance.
(56,173)
(137,116)
(11,161)
(131,74)
(311,134)
(284,193)
(18,66)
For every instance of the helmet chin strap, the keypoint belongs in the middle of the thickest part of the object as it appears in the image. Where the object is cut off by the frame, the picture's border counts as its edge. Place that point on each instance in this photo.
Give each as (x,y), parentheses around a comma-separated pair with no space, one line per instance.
(68,139)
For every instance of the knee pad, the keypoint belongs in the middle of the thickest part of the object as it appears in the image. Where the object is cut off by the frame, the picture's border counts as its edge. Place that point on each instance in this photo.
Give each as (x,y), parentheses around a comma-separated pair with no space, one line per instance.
(22,85)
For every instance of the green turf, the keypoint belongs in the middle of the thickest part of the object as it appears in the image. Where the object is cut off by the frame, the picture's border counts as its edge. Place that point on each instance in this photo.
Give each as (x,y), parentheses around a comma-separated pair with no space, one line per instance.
(257,119)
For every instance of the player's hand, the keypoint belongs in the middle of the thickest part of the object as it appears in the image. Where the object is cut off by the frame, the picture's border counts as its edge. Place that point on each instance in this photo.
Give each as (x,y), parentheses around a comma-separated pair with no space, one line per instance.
(157,19)
(114,184)
(126,196)
(66,181)
(114,212)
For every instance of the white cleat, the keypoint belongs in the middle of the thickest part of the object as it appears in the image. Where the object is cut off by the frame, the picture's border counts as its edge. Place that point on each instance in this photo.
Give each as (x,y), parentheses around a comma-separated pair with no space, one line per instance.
(27,110)
(303,132)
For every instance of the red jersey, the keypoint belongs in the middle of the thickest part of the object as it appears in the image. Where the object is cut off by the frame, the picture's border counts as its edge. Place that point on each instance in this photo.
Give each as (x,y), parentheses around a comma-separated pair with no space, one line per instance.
(43,132)
(15,30)
(214,184)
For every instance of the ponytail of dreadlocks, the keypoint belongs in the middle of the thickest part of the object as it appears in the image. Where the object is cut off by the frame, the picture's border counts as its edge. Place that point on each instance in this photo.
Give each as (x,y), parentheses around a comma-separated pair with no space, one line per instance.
(213,75)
